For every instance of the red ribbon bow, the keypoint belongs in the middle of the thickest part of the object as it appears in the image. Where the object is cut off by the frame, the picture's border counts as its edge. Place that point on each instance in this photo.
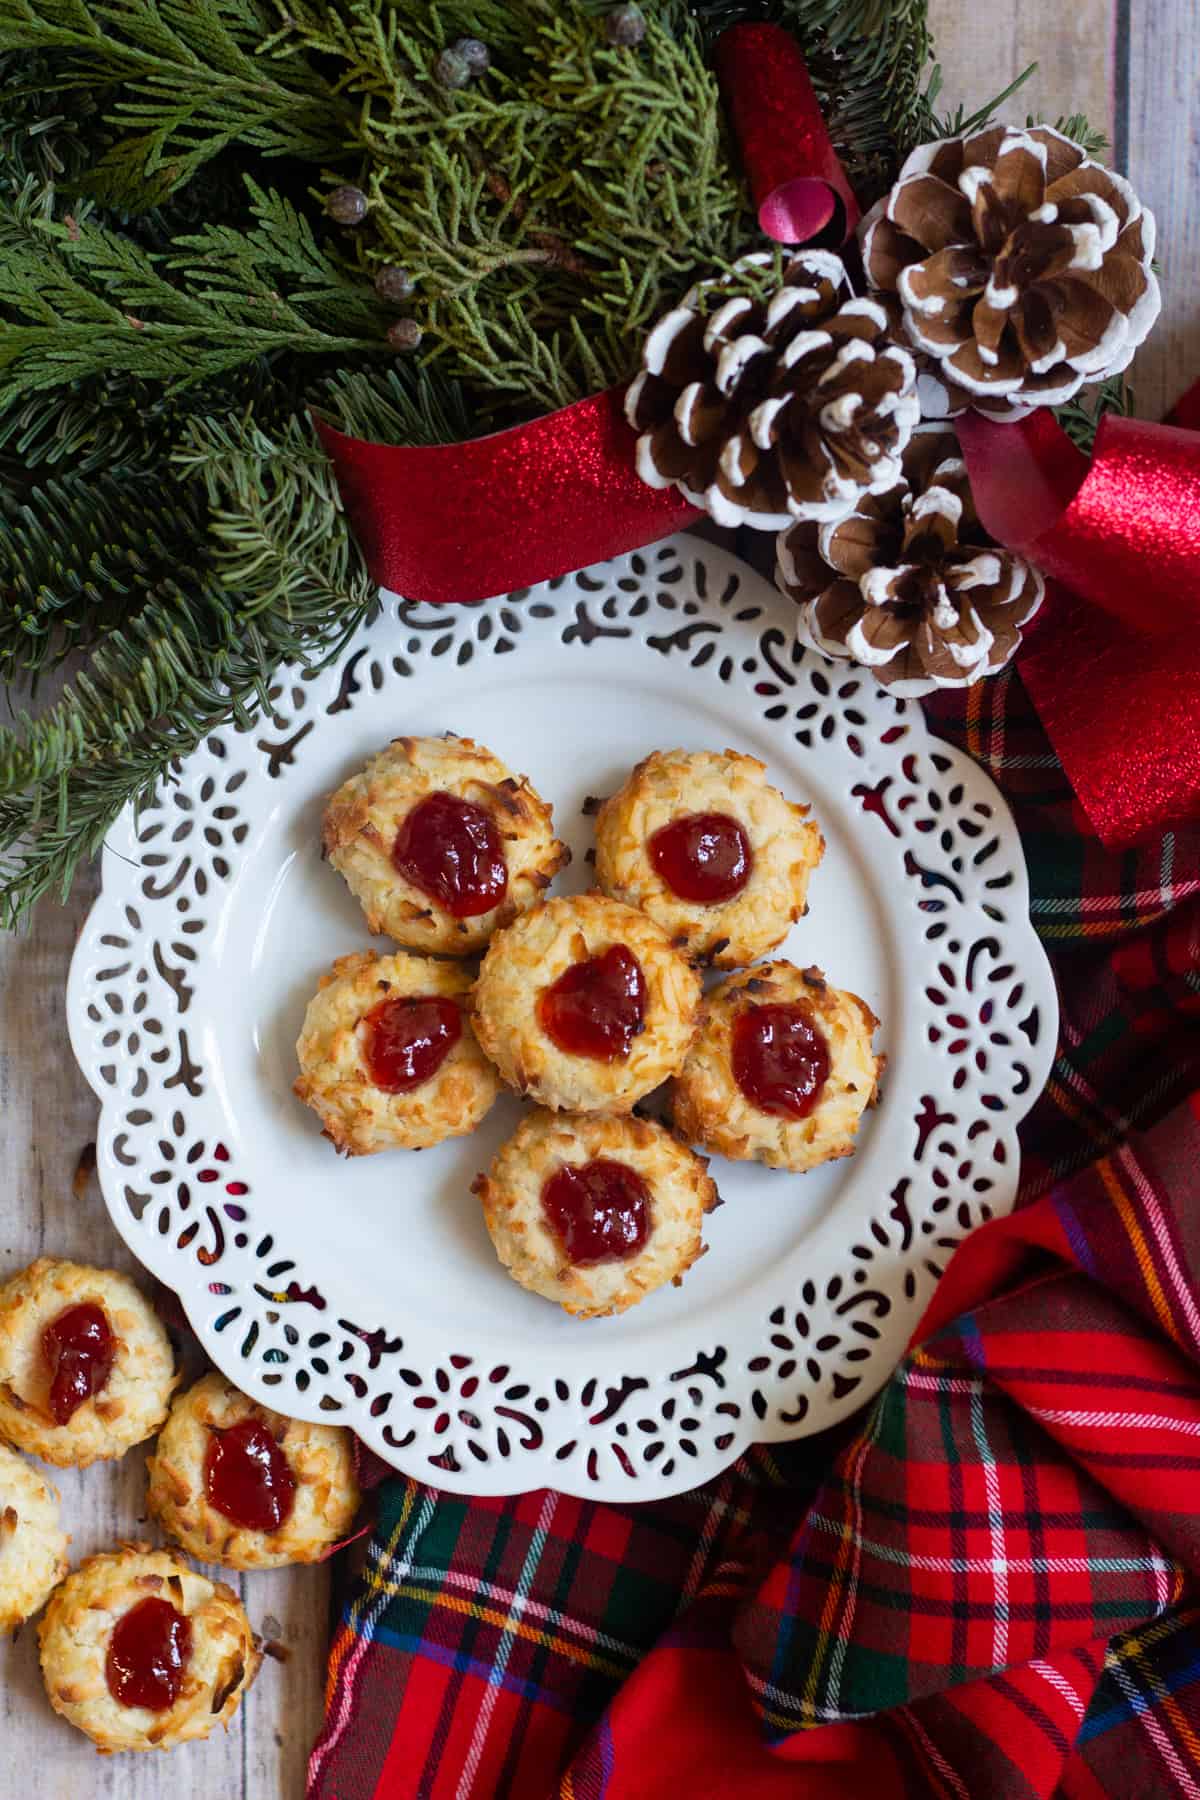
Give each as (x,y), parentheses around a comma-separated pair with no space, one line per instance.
(1113,660)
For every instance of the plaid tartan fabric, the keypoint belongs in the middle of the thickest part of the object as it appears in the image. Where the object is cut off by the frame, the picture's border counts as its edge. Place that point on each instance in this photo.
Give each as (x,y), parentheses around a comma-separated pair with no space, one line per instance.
(983,1587)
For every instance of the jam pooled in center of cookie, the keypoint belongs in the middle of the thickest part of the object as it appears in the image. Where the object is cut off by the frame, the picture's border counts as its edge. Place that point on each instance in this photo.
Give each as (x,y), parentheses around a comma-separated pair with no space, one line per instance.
(780,1059)
(78,1348)
(597,1007)
(450,849)
(703,857)
(248,1478)
(408,1039)
(599,1211)
(148,1655)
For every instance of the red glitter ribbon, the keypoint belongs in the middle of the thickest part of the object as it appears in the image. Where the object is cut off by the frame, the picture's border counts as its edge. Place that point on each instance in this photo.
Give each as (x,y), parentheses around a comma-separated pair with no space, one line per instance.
(457,522)
(799,186)
(1113,663)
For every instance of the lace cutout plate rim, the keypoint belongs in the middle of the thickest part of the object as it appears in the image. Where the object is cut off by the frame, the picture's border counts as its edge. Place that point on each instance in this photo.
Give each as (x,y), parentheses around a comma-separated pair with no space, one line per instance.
(367,1293)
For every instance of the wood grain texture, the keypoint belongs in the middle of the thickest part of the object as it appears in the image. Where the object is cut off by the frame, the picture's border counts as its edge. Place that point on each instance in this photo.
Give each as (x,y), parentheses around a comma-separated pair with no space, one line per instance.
(1132,69)
(1158,135)
(47,1114)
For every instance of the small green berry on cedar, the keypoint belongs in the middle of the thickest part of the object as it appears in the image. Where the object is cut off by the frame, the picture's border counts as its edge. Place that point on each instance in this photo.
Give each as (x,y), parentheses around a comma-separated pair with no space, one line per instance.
(393,283)
(625,27)
(450,70)
(346,205)
(404,334)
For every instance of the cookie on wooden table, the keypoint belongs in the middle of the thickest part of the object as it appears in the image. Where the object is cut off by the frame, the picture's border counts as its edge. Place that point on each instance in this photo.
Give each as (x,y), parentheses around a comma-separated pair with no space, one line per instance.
(86,1366)
(33,1545)
(238,1484)
(440,843)
(388,1055)
(702,842)
(781,1070)
(142,1652)
(584,1005)
(593,1212)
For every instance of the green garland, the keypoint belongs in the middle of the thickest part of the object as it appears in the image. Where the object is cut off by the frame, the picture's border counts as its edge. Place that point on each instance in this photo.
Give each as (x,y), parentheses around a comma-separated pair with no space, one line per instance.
(176,295)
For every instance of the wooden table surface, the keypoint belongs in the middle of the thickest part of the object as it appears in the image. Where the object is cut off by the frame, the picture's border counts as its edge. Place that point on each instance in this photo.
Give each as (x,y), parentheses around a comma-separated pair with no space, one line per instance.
(1133,70)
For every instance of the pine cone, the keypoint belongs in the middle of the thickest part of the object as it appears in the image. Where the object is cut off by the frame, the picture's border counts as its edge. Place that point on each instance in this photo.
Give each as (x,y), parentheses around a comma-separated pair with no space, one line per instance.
(920,594)
(765,412)
(1023,267)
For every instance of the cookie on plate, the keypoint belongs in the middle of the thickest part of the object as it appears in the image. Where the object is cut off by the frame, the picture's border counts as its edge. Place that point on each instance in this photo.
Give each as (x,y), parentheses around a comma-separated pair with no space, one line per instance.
(702,842)
(86,1367)
(388,1055)
(33,1545)
(584,1005)
(781,1071)
(142,1652)
(238,1484)
(594,1212)
(440,843)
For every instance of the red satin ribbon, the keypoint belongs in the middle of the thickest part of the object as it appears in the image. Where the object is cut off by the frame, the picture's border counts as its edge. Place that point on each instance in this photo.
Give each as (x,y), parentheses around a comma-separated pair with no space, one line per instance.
(456,522)
(799,186)
(1115,681)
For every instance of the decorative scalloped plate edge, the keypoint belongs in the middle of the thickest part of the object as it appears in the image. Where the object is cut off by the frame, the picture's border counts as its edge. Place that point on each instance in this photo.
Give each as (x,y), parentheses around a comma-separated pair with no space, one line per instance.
(624,1421)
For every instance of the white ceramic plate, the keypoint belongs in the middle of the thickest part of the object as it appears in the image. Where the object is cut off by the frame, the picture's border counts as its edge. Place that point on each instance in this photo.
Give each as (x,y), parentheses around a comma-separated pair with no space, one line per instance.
(367,1291)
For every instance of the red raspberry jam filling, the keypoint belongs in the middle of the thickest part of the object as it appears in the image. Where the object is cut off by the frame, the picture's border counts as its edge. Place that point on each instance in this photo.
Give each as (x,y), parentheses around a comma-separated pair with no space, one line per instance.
(451,850)
(597,1007)
(248,1478)
(78,1348)
(599,1211)
(148,1655)
(408,1039)
(703,857)
(780,1059)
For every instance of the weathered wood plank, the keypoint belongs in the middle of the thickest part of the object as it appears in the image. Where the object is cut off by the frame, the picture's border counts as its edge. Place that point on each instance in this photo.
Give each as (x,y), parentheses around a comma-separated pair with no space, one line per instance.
(983,47)
(47,1114)
(1158,130)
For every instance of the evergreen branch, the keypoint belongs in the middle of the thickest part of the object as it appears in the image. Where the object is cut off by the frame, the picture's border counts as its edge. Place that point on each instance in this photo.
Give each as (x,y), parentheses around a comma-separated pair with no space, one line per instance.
(191,83)
(88,553)
(1080,416)
(284,582)
(83,299)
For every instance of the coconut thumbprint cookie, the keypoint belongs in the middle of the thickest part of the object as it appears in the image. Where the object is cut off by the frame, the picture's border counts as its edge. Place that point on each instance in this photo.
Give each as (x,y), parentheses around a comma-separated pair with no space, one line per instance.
(584,1005)
(388,1055)
(440,843)
(781,1071)
(594,1212)
(707,847)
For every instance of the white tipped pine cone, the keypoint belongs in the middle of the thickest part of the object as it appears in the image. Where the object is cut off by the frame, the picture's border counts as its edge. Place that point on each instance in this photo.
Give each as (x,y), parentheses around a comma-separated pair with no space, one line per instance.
(909,584)
(762,412)
(1023,267)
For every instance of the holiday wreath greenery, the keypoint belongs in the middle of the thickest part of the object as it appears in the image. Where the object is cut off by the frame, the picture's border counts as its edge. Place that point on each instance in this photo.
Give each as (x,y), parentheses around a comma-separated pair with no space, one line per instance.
(422,220)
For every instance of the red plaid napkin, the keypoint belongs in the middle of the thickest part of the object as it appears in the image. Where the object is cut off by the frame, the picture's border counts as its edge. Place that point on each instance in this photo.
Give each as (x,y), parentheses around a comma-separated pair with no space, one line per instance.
(984,1587)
